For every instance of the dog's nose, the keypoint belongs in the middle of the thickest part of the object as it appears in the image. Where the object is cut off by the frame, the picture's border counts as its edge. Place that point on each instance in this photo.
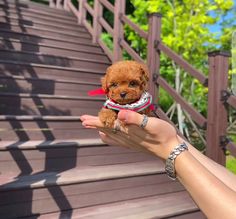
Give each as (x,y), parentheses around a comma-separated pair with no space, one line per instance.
(123,94)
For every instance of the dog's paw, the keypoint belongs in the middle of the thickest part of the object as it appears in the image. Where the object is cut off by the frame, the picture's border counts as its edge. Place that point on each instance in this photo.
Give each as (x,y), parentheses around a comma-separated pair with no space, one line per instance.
(107,117)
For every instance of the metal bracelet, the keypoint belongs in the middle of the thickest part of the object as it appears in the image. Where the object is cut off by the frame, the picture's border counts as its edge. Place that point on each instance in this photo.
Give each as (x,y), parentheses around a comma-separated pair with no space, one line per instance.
(170,162)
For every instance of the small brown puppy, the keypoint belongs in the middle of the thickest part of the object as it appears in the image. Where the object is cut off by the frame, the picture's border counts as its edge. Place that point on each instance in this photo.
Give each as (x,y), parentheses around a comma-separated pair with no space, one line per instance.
(125,85)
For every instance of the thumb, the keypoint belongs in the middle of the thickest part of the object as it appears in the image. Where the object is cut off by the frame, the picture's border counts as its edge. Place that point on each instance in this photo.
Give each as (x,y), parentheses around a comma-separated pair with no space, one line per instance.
(130,117)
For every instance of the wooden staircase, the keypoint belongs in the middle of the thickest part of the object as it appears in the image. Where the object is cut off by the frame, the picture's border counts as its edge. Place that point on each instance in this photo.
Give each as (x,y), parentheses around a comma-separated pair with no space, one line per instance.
(50,166)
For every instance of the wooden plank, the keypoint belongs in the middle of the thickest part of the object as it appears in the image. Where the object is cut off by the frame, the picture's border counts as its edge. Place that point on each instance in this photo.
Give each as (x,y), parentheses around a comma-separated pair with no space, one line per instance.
(20,164)
(192,215)
(183,64)
(24,25)
(136,28)
(93,187)
(197,117)
(47,31)
(38,86)
(131,52)
(35,22)
(106,49)
(145,208)
(34,17)
(38,13)
(83,174)
(88,27)
(33,70)
(108,5)
(72,8)
(52,50)
(47,134)
(54,41)
(89,8)
(106,26)
(32,5)
(61,202)
(39,58)
(30,145)
(43,73)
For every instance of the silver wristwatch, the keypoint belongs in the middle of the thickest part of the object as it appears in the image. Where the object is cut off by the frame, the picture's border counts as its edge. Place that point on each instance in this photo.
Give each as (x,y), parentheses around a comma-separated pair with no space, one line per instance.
(170,162)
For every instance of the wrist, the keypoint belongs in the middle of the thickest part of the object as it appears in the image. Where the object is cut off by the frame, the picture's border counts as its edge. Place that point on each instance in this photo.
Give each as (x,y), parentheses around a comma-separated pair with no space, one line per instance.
(169,146)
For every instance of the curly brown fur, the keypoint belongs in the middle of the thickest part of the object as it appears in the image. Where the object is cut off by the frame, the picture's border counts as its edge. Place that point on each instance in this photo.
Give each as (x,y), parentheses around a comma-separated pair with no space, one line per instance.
(124,83)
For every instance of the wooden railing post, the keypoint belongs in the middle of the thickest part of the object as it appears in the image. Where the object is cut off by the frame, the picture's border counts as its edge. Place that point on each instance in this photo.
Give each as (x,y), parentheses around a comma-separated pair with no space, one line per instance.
(82,12)
(58,4)
(217,112)
(118,30)
(153,57)
(65,5)
(97,29)
(52,4)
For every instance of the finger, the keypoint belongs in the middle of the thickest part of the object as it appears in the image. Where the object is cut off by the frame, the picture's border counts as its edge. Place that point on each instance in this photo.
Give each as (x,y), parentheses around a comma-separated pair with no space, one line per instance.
(130,117)
(91,121)
(86,117)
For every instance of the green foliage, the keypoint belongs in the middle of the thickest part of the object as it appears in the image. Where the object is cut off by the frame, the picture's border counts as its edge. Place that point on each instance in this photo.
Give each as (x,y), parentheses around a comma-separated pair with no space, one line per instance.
(231,164)
(185,29)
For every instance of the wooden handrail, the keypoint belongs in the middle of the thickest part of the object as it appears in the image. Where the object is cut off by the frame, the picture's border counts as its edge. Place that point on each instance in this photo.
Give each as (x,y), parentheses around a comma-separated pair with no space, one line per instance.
(108,5)
(197,117)
(106,26)
(136,28)
(131,52)
(182,63)
(72,8)
(89,8)
(106,49)
(88,26)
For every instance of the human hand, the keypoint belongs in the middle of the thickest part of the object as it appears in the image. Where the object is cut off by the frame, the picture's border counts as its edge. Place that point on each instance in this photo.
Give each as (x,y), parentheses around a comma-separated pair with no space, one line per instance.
(158,137)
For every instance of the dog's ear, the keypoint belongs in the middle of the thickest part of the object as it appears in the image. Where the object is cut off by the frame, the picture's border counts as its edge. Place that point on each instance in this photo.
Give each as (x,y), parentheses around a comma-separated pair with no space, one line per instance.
(104,84)
(145,75)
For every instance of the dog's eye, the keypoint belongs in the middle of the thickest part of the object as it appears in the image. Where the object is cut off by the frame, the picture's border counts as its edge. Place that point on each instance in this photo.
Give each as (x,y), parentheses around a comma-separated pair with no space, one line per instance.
(133,83)
(113,84)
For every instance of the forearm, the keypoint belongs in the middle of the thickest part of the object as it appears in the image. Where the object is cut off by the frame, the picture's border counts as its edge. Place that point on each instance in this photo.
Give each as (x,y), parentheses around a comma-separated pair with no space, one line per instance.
(213,197)
(216,169)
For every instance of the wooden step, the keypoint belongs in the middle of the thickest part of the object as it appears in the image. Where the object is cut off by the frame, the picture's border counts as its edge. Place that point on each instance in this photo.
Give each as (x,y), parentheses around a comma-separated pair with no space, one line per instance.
(83,187)
(24,4)
(84,174)
(38,18)
(32,70)
(176,205)
(18,45)
(23,158)
(37,23)
(51,14)
(41,58)
(80,36)
(48,40)
(26,128)
(19,84)
(43,104)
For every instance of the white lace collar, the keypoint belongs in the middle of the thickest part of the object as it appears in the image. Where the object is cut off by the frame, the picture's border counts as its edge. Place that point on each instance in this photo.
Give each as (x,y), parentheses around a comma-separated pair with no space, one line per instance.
(144,102)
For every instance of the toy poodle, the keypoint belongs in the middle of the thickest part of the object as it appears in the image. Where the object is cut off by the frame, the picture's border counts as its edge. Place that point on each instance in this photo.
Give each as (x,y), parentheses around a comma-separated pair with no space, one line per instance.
(125,86)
